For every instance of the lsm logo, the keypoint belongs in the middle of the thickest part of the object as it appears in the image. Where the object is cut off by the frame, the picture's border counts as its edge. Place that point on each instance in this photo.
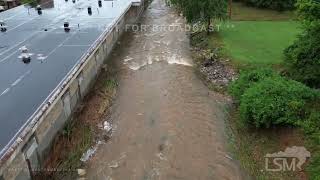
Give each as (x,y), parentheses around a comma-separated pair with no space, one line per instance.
(291,159)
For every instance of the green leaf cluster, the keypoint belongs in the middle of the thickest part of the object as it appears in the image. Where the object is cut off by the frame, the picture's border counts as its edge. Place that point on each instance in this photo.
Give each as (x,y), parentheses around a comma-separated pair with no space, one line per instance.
(247,78)
(202,10)
(303,56)
(267,99)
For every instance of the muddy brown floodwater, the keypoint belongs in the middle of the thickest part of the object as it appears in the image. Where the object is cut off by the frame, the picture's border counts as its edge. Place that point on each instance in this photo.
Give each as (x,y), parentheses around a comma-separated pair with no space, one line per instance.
(167,124)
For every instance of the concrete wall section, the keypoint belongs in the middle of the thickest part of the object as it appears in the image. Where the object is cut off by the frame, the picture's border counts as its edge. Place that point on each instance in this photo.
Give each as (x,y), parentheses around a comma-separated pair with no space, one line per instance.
(31,154)
(34,149)
(108,42)
(88,73)
(66,99)
(74,94)
(99,56)
(18,169)
(46,132)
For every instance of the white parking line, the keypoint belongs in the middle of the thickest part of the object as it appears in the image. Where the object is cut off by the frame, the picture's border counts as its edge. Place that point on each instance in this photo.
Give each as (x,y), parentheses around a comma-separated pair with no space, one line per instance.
(4,92)
(17,81)
(7,57)
(13,16)
(18,43)
(60,44)
(21,24)
(20,78)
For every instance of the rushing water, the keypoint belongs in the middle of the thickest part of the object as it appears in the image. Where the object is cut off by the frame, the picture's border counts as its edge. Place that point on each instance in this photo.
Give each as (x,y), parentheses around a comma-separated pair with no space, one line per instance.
(167,123)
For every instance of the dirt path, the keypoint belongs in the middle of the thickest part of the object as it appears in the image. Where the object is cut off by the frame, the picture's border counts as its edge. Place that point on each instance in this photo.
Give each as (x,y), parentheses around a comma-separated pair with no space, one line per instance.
(167,125)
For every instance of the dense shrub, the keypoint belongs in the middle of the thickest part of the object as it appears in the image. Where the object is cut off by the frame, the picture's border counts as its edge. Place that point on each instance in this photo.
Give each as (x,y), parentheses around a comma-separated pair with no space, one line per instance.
(247,79)
(279,5)
(308,10)
(303,57)
(312,129)
(311,126)
(274,101)
(313,168)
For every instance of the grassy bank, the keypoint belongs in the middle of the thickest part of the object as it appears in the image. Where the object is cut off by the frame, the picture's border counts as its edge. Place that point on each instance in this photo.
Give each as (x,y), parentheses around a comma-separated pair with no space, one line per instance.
(258,42)
(256,37)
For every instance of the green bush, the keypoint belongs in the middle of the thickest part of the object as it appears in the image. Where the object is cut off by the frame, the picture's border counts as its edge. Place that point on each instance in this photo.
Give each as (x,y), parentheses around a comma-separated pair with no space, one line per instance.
(308,10)
(303,57)
(247,79)
(313,168)
(311,126)
(279,5)
(275,101)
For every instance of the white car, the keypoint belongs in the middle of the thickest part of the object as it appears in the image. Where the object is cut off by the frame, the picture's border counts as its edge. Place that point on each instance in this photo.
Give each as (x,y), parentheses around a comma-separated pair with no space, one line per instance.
(1,8)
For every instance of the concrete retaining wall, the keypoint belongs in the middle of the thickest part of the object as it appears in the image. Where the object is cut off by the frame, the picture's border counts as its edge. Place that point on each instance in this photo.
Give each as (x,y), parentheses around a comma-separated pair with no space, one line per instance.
(33,150)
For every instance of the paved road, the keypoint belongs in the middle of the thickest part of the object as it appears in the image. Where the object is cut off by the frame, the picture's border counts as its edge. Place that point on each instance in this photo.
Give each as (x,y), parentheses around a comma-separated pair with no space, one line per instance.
(24,87)
(167,124)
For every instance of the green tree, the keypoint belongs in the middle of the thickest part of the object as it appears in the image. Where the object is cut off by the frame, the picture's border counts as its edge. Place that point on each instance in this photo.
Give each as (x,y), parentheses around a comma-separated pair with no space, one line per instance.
(303,56)
(203,10)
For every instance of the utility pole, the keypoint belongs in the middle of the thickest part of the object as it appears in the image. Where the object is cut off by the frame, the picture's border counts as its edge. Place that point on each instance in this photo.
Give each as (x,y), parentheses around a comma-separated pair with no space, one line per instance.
(230,9)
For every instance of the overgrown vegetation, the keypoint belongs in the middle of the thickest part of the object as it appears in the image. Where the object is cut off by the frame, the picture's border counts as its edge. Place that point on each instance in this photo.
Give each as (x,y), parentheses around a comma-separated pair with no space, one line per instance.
(84,142)
(267,100)
(279,5)
(275,101)
(68,147)
(247,78)
(303,64)
(303,57)
(270,103)
(82,131)
(203,11)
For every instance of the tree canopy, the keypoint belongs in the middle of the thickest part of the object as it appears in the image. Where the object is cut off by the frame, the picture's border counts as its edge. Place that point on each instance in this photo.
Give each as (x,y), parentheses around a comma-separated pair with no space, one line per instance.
(303,56)
(202,10)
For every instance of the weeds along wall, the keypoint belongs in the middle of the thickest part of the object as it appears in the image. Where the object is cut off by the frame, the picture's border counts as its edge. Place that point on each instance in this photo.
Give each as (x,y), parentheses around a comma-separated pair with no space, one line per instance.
(28,156)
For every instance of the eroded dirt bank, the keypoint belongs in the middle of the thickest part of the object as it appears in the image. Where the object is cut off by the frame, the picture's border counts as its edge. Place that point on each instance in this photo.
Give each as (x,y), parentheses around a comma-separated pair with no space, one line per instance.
(166,123)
